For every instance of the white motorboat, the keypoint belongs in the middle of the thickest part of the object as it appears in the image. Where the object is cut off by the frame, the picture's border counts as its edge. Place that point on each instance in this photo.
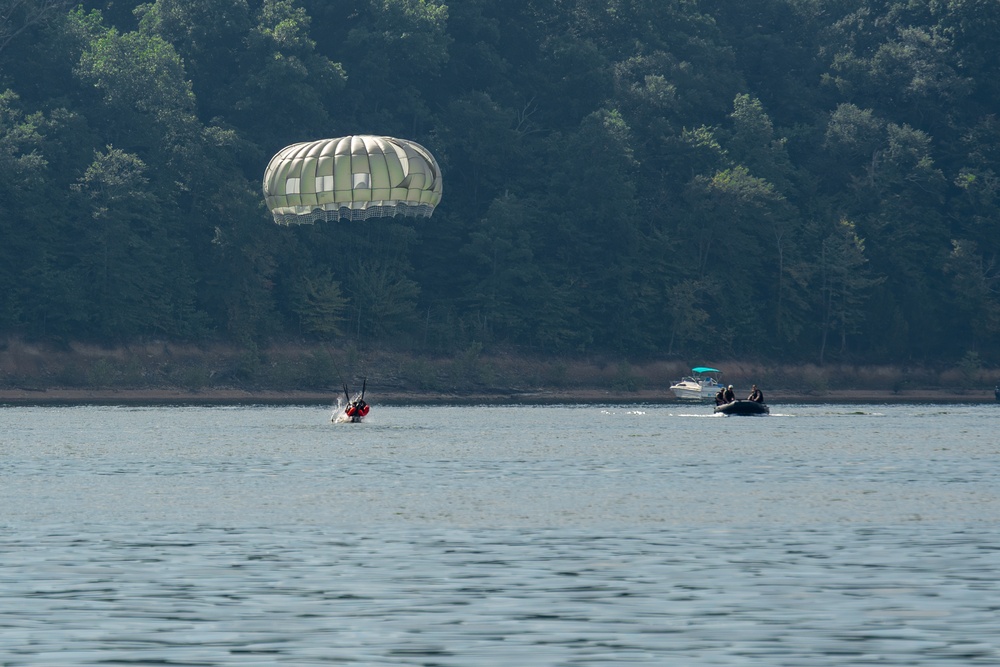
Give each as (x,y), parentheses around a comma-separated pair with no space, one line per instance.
(701,386)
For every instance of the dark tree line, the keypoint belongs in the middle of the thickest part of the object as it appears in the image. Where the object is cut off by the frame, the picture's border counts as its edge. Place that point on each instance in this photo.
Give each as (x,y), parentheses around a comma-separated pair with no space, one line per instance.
(796,179)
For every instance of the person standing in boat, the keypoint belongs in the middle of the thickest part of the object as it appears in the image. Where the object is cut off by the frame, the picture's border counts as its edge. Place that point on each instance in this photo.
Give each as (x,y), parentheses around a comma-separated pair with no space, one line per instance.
(756,395)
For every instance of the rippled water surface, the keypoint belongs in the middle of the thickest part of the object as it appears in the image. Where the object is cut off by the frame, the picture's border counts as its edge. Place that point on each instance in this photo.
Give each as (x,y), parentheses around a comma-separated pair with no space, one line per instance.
(474,536)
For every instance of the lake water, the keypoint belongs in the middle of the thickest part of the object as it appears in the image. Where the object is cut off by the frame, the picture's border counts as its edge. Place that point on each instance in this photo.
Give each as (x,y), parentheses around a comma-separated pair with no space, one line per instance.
(497,536)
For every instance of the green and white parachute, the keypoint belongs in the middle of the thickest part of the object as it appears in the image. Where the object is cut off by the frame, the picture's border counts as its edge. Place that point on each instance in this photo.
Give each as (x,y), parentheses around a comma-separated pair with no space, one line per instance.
(351,178)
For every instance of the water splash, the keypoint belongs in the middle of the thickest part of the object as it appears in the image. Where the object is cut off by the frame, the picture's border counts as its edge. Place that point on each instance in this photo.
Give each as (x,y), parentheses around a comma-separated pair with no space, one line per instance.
(339,416)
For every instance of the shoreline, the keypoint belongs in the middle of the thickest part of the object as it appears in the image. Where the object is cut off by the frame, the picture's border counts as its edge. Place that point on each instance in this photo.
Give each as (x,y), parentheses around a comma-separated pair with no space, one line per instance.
(55,396)
(39,373)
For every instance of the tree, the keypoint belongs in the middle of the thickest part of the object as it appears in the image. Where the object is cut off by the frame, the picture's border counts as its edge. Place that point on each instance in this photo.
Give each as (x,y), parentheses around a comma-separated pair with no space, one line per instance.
(896,62)
(282,62)
(17,16)
(844,285)
(502,293)
(621,177)
(393,47)
(384,300)
(975,294)
(897,196)
(691,325)
(148,105)
(210,36)
(855,138)
(320,305)
(22,186)
(777,46)
(752,143)
(129,267)
(970,27)
(596,225)
(908,236)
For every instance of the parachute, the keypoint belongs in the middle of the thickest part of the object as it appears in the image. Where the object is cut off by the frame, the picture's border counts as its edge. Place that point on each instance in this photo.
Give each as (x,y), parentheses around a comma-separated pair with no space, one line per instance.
(351,178)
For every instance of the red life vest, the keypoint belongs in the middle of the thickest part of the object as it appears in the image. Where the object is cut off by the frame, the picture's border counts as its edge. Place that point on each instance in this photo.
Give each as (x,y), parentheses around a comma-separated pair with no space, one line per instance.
(356,410)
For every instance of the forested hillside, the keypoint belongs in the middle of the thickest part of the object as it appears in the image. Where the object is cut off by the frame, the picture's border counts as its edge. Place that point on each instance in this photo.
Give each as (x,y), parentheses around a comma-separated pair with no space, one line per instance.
(804,180)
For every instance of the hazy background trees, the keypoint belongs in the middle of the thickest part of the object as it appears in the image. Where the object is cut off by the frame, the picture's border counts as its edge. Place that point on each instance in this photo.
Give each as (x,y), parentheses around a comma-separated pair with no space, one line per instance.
(803,180)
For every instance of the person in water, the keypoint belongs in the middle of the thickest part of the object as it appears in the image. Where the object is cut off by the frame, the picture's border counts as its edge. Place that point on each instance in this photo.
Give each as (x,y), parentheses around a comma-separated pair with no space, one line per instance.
(756,395)
(357,409)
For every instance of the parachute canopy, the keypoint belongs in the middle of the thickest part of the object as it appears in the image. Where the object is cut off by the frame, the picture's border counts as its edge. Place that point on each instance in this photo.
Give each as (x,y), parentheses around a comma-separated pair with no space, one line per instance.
(353,178)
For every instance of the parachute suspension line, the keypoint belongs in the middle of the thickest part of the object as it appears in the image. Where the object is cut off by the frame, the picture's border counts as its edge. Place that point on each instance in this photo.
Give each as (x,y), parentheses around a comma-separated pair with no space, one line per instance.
(343,383)
(358,334)
(336,369)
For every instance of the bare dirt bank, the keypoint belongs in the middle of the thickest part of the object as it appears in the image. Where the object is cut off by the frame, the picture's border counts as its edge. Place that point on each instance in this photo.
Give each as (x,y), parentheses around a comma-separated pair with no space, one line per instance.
(166,373)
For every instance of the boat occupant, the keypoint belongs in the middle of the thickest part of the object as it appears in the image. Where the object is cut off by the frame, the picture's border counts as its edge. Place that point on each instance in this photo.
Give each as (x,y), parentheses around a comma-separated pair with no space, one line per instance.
(720,396)
(729,395)
(756,395)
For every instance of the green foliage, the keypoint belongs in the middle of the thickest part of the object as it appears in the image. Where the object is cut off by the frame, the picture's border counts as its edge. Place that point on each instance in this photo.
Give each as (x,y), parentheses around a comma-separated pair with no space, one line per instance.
(791,178)
(321,305)
(970,365)
(845,280)
(384,300)
(501,246)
